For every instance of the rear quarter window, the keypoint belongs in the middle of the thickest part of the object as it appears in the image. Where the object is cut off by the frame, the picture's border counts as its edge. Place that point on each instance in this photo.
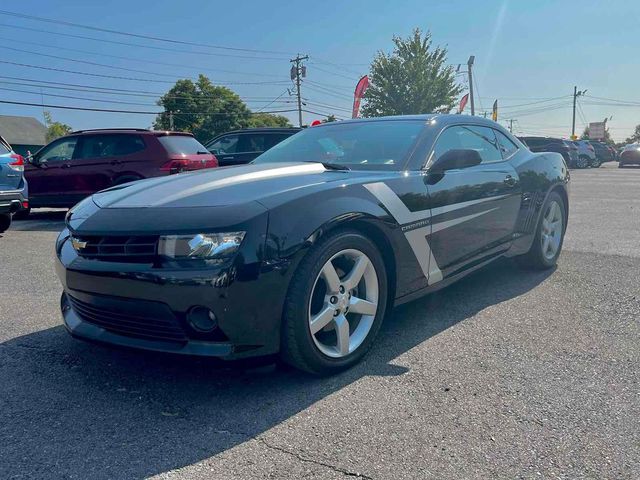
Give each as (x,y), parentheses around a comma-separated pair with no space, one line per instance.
(182,144)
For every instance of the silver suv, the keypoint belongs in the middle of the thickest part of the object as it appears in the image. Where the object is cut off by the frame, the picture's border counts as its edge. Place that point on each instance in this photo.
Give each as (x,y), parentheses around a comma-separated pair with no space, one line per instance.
(13,186)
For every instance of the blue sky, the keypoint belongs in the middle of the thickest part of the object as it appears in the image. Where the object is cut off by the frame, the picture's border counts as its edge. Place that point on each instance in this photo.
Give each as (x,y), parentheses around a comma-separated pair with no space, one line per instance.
(529,55)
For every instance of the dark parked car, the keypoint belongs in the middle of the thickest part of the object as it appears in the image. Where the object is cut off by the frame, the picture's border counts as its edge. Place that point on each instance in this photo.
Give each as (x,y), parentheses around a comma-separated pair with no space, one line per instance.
(303,251)
(586,153)
(568,150)
(630,155)
(603,153)
(13,187)
(242,146)
(72,167)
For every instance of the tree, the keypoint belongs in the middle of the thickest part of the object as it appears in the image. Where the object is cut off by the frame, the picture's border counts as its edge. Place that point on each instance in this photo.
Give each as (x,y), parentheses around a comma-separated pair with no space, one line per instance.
(414,78)
(635,137)
(55,129)
(202,108)
(607,136)
(268,120)
(330,118)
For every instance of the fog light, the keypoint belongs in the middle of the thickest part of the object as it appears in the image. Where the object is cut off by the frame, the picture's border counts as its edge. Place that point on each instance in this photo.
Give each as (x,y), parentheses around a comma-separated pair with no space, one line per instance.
(202,319)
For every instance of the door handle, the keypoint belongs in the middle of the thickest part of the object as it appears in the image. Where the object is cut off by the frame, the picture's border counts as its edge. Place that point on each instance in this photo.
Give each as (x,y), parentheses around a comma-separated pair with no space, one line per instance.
(65,165)
(227,158)
(510,181)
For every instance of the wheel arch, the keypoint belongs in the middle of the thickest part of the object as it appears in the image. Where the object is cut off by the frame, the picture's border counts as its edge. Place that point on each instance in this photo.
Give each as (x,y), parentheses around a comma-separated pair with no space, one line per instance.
(374,230)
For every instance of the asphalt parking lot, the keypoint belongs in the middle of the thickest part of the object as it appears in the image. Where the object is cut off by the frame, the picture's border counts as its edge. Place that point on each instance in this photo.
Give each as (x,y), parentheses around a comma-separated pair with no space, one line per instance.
(506,374)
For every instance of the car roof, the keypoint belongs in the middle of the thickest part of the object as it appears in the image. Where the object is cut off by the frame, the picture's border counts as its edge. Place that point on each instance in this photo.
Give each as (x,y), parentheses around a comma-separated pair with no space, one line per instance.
(264,130)
(138,131)
(441,118)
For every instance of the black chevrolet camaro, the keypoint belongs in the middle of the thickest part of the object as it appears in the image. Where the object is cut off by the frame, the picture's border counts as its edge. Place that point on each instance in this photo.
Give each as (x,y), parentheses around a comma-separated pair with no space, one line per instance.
(303,251)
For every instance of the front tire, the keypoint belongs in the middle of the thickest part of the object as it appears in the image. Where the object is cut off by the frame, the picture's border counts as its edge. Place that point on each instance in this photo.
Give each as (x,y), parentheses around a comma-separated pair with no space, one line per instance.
(583,161)
(548,237)
(335,304)
(22,214)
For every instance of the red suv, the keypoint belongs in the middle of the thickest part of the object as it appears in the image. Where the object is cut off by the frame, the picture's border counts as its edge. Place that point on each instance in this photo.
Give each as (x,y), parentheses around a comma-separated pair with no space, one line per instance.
(73,167)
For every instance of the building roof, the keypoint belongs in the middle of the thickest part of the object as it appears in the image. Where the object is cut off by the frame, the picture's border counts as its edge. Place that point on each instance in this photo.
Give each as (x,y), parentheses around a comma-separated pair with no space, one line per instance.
(22,130)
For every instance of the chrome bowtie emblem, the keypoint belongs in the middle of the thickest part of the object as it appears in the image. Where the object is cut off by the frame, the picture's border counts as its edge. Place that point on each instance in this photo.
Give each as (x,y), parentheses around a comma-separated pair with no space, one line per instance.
(78,244)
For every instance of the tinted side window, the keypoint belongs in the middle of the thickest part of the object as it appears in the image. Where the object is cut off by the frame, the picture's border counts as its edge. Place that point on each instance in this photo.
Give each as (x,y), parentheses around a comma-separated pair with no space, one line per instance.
(59,151)
(252,142)
(507,147)
(100,146)
(480,139)
(274,139)
(226,144)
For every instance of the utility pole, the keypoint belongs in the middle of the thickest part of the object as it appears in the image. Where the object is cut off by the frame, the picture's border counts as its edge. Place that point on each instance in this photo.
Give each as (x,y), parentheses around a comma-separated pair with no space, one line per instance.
(511,125)
(298,71)
(469,71)
(576,94)
(170,120)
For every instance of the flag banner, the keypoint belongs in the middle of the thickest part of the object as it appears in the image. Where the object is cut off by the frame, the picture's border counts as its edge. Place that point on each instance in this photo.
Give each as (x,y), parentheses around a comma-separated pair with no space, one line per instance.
(494,114)
(361,87)
(463,103)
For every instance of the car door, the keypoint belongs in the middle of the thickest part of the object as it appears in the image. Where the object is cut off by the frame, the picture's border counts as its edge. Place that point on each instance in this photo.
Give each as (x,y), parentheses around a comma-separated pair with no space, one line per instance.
(96,164)
(47,172)
(474,209)
(225,149)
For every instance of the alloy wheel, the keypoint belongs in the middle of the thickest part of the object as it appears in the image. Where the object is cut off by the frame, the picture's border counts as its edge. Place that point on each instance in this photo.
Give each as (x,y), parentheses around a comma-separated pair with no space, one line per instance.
(344,302)
(551,234)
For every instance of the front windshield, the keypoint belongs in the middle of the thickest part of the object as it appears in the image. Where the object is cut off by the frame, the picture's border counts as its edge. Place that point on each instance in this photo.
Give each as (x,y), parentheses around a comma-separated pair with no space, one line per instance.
(379,145)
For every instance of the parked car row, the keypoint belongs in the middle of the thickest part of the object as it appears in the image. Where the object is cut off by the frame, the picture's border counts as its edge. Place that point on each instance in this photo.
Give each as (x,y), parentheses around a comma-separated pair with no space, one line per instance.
(576,153)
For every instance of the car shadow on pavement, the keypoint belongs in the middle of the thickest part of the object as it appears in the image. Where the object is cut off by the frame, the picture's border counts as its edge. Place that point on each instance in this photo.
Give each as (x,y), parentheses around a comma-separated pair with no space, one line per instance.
(41,221)
(72,409)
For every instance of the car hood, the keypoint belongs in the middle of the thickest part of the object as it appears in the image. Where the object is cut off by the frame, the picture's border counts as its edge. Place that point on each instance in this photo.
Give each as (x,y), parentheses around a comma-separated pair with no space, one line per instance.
(219,186)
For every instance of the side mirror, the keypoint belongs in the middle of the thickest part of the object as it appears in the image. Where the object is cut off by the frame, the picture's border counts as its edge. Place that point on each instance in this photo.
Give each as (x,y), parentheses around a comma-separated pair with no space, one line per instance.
(454,159)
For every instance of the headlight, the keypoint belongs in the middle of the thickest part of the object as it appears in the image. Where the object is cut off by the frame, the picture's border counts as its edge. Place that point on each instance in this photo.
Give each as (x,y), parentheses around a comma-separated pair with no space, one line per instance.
(200,245)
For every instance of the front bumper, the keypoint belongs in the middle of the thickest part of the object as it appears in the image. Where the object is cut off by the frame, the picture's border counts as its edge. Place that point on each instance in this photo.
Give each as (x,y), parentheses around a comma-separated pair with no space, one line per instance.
(146,307)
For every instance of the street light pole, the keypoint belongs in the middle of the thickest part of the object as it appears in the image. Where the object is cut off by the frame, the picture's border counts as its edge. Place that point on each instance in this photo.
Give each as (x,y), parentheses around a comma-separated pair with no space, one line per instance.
(470,68)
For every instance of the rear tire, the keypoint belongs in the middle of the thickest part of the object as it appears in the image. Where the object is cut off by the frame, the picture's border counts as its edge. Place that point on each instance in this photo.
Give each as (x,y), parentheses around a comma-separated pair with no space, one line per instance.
(5,222)
(596,163)
(335,304)
(548,237)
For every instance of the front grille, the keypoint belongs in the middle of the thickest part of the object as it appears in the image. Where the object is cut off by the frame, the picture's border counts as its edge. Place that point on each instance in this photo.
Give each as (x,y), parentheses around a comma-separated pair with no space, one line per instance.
(114,248)
(139,319)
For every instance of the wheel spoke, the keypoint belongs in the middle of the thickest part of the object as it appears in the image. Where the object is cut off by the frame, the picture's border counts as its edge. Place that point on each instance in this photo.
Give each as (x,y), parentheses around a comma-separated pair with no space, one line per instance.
(342,334)
(545,224)
(364,307)
(353,278)
(331,277)
(545,243)
(321,320)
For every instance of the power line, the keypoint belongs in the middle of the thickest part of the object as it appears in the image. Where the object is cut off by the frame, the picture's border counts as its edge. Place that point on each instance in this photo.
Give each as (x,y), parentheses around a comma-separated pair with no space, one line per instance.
(75,72)
(91,109)
(102,90)
(316,67)
(136,35)
(139,45)
(137,60)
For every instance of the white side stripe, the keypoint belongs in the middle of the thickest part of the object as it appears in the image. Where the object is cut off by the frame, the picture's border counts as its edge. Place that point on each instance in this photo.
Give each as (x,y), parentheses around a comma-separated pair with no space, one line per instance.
(417,238)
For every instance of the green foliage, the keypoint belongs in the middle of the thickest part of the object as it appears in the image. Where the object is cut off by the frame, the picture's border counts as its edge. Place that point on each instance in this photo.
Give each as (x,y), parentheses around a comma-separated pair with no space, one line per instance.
(330,118)
(55,129)
(202,108)
(268,120)
(413,79)
(635,137)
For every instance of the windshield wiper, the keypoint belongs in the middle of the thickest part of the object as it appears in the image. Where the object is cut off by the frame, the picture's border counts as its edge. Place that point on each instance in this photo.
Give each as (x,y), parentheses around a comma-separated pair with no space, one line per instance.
(331,166)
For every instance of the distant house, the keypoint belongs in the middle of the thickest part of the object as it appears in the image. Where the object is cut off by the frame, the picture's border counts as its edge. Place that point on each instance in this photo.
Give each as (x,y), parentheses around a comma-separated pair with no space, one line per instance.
(23,133)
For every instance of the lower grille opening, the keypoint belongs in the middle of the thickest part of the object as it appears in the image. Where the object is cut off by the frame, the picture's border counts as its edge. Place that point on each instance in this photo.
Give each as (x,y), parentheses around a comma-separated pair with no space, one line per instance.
(145,320)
